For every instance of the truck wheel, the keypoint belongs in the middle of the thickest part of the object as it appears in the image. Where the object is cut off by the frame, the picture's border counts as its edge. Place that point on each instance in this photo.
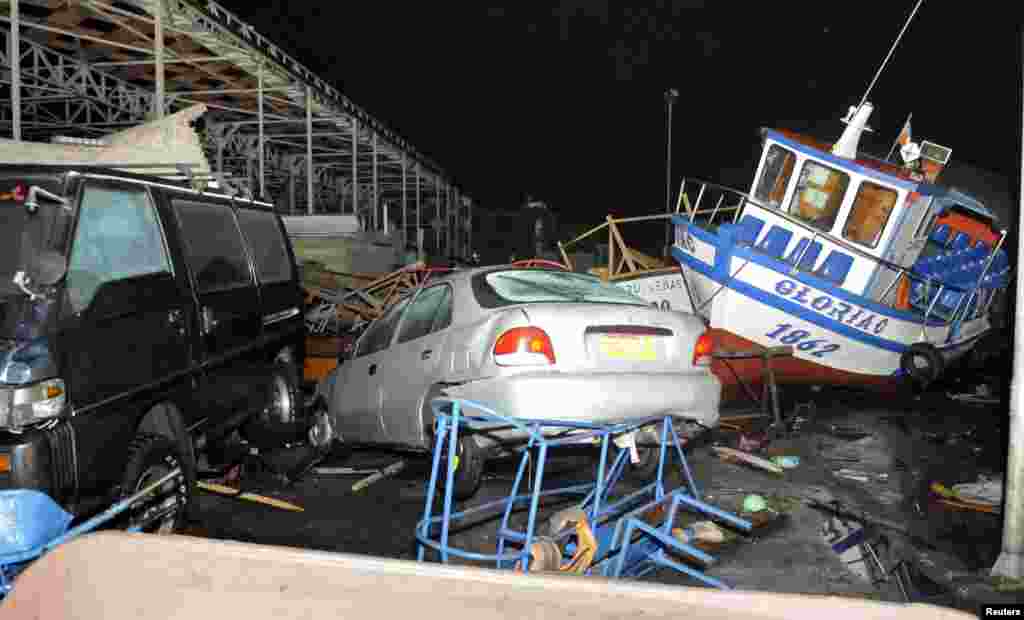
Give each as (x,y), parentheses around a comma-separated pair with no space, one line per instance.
(469,469)
(280,421)
(151,457)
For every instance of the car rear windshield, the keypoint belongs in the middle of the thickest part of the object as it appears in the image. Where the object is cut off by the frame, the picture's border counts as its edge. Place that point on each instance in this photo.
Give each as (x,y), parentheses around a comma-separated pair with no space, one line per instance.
(522,286)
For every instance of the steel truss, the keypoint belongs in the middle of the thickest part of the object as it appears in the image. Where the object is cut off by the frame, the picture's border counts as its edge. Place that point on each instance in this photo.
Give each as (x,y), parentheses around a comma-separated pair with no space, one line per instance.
(93,67)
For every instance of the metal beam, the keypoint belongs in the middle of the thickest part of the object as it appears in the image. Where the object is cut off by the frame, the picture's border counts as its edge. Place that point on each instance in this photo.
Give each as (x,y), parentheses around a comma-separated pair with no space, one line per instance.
(309,149)
(14,60)
(167,61)
(158,52)
(259,77)
(419,243)
(84,37)
(405,214)
(355,166)
(376,186)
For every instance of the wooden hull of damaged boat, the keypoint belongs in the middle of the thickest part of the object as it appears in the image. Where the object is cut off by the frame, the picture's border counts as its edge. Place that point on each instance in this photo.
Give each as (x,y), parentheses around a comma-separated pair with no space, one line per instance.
(788,370)
(754,300)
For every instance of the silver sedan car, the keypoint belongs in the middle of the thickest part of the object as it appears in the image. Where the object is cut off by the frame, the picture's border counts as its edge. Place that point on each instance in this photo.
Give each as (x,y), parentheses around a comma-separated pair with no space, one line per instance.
(533,343)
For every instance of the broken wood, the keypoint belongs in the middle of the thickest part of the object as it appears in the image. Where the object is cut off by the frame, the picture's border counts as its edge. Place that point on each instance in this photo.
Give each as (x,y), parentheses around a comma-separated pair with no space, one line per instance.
(739,457)
(227,491)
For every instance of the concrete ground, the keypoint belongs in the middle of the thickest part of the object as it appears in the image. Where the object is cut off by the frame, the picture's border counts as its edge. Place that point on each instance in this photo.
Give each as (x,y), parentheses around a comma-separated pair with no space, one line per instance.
(910,443)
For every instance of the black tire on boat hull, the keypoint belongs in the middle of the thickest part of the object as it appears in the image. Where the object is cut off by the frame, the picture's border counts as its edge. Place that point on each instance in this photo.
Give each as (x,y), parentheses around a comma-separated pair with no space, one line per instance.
(922,362)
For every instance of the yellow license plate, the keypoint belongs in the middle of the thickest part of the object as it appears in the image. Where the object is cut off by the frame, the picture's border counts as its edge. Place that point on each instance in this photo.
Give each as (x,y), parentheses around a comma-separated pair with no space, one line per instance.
(633,348)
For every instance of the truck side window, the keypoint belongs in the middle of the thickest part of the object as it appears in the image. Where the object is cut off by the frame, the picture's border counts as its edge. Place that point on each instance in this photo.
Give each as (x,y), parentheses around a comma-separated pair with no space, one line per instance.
(118,237)
(266,242)
(213,245)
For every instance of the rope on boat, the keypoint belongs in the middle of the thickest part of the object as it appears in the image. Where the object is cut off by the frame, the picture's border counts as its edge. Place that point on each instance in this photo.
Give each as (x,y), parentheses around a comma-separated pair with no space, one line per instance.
(720,287)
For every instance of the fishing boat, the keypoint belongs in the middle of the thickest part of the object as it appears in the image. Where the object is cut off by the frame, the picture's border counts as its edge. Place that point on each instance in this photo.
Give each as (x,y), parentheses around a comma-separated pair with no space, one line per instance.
(871,271)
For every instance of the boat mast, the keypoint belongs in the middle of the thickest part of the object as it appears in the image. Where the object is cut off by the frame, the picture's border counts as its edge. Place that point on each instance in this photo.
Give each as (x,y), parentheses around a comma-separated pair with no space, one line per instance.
(856,120)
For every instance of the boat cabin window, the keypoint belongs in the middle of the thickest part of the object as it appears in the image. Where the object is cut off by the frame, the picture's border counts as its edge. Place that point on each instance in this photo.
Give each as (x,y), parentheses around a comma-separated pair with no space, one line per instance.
(778,167)
(870,213)
(819,194)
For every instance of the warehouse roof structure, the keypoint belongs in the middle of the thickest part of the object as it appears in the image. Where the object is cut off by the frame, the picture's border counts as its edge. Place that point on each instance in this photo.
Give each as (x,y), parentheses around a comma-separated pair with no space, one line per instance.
(86,68)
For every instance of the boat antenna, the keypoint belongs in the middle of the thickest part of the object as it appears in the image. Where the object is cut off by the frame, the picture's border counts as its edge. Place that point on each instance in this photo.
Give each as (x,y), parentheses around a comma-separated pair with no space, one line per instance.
(864,99)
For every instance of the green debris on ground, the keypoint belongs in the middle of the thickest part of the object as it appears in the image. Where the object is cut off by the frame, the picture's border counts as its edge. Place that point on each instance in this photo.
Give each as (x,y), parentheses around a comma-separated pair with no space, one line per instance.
(1008,584)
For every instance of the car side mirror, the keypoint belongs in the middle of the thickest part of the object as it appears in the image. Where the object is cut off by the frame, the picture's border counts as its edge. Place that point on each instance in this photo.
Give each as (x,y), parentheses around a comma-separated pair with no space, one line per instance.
(48,268)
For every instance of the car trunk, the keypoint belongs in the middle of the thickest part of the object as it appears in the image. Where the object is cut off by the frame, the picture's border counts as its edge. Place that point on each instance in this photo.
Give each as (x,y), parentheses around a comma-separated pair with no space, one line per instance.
(617,337)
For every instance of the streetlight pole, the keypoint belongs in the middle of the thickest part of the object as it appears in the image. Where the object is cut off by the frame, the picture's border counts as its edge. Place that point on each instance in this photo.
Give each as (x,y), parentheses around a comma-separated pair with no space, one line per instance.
(670,98)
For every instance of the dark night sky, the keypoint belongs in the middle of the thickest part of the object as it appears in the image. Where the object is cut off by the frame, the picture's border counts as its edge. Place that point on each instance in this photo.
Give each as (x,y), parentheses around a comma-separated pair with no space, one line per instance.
(564,100)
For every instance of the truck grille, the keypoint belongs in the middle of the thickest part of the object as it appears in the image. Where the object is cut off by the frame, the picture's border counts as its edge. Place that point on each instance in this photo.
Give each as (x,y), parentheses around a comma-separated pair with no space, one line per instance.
(62,458)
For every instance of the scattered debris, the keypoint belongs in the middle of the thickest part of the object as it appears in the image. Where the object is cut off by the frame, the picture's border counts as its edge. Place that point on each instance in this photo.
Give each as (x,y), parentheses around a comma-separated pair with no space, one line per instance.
(701,531)
(388,471)
(862,476)
(754,503)
(849,432)
(343,471)
(786,462)
(985,490)
(730,455)
(753,442)
(982,395)
(227,491)
(949,497)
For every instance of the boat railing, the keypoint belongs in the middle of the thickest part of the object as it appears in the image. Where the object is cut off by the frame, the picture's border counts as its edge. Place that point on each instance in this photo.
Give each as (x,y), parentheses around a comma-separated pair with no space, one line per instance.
(736,201)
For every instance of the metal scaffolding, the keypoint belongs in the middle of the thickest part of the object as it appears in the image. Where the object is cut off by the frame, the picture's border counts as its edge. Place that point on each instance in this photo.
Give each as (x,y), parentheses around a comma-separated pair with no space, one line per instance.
(93,67)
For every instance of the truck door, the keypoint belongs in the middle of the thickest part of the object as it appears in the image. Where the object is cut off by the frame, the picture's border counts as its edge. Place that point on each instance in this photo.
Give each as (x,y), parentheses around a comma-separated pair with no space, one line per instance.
(228,302)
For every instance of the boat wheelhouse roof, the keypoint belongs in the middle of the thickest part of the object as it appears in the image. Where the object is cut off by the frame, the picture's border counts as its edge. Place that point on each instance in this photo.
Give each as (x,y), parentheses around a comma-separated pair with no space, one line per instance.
(882,170)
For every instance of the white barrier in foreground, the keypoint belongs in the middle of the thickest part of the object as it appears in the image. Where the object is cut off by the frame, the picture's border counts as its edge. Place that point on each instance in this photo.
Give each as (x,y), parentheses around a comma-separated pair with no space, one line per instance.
(119,576)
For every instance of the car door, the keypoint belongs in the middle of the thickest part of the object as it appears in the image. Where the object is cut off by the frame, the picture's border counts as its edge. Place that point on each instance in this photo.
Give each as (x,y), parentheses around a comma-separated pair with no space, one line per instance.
(415,363)
(281,296)
(125,327)
(229,317)
(359,391)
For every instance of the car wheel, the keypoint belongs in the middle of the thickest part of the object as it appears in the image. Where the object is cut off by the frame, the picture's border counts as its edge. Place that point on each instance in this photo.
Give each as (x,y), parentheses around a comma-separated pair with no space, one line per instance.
(469,468)
(643,471)
(279,422)
(151,457)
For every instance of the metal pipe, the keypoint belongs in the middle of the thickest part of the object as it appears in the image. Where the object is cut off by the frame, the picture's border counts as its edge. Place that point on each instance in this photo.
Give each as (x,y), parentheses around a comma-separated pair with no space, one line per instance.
(405,215)
(376,187)
(309,149)
(259,78)
(670,99)
(14,60)
(419,235)
(158,50)
(167,61)
(1011,561)
(436,224)
(84,37)
(355,166)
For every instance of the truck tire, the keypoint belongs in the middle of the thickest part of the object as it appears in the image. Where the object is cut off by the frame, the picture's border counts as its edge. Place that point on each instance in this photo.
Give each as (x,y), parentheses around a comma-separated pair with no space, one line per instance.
(280,421)
(150,457)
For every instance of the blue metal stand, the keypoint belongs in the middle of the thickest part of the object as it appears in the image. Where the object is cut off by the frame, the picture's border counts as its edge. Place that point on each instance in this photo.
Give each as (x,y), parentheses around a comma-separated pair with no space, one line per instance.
(628,545)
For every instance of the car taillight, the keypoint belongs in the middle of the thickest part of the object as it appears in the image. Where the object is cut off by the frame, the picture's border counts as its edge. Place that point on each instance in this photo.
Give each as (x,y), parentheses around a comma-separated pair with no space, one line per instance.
(703,350)
(523,346)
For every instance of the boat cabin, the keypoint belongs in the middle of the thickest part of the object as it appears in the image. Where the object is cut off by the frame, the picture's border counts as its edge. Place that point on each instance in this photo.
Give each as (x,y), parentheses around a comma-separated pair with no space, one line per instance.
(860,224)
